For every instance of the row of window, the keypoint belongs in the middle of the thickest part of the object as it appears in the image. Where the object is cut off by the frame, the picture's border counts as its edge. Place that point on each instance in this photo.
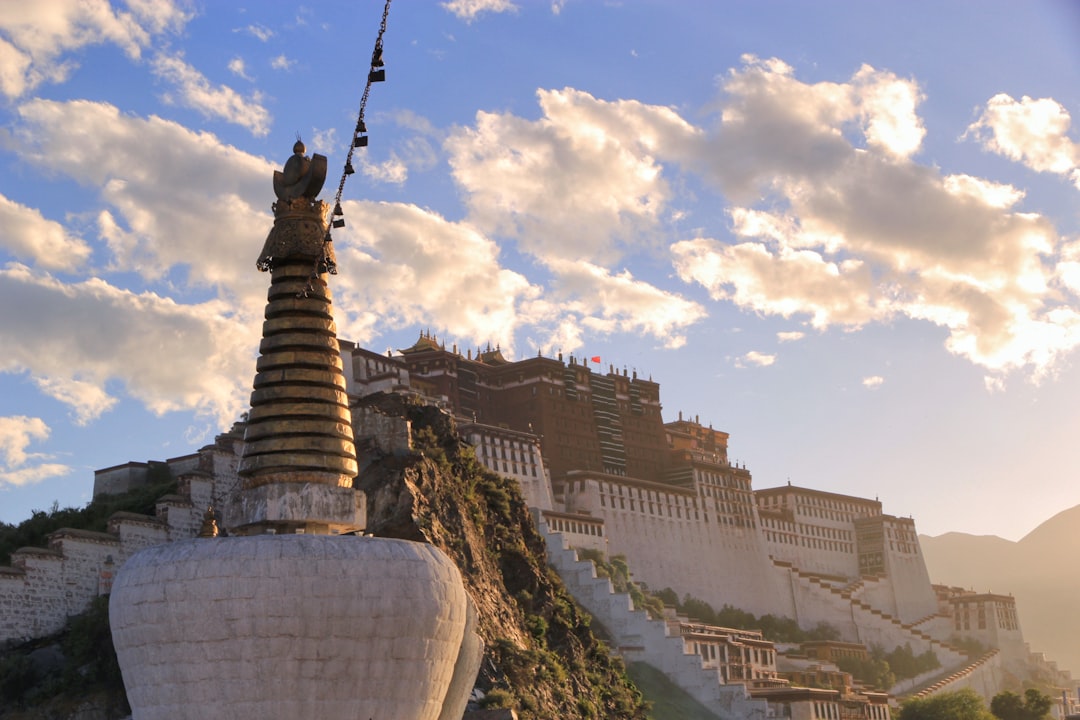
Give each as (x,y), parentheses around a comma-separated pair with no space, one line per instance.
(574,526)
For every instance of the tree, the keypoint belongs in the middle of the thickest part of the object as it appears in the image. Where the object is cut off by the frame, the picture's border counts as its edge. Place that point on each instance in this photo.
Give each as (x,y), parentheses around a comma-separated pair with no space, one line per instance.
(960,705)
(1010,706)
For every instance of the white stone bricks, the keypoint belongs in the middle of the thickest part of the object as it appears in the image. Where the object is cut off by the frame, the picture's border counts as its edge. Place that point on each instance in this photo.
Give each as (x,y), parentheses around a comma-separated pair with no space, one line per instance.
(292,626)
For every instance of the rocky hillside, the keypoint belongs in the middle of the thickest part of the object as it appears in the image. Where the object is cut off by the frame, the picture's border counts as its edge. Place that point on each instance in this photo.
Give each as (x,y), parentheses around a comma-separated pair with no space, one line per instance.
(1038,570)
(541,656)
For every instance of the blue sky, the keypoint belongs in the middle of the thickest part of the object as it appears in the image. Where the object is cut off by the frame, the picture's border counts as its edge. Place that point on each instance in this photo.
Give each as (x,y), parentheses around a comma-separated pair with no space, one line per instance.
(844,232)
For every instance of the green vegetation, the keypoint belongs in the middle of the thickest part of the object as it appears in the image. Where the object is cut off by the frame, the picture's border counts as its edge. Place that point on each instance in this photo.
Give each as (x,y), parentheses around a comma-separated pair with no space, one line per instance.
(777,629)
(34,531)
(669,701)
(960,705)
(65,668)
(1034,705)
(616,570)
(969,646)
(882,670)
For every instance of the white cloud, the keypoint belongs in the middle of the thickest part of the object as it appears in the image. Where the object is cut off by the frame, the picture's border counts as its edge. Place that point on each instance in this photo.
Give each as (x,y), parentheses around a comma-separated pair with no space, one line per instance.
(873,382)
(174,202)
(755,358)
(608,302)
(17,432)
(1033,132)
(260,32)
(75,338)
(34,36)
(29,236)
(838,224)
(172,196)
(33,474)
(790,336)
(392,170)
(469,10)
(583,182)
(282,63)
(88,400)
(193,90)
(238,67)
(453,273)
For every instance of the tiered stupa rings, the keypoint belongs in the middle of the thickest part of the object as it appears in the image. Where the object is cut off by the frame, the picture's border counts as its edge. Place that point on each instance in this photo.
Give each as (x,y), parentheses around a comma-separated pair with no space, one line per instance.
(299,433)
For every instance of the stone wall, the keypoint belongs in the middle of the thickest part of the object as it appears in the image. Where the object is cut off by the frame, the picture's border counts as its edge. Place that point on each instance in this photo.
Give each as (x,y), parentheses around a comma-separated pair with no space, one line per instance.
(672,542)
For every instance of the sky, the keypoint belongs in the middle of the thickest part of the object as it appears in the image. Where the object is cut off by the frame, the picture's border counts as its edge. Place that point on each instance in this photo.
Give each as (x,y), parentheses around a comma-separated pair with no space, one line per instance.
(846,233)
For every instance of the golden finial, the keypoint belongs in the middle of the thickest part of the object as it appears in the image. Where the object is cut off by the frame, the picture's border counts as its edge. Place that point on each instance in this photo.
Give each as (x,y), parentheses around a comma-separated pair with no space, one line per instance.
(209,527)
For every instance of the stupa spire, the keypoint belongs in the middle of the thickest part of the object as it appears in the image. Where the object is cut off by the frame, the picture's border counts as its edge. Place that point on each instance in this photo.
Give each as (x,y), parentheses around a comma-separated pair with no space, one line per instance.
(299,458)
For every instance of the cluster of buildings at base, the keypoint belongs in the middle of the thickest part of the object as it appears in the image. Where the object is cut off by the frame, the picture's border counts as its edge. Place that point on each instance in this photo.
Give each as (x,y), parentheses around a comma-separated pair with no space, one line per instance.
(597,463)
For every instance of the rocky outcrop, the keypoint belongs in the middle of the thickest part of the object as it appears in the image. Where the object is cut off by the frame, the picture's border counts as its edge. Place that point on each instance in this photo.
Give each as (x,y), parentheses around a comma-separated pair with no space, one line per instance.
(539,649)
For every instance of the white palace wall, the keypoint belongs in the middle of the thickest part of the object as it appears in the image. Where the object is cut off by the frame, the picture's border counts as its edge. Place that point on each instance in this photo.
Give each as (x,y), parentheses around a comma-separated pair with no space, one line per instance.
(913,597)
(671,540)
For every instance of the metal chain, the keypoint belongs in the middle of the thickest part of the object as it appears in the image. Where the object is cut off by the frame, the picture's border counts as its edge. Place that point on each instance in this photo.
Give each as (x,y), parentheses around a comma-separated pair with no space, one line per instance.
(326,263)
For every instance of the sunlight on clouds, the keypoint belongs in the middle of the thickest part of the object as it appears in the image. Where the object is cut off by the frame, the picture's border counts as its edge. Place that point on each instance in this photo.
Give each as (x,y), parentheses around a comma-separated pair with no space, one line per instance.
(1033,132)
(995,195)
(581,183)
(609,302)
(35,35)
(887,109)
(31,475)
(282,63)
(790,336)
(237,67)
(73,338)
(392,170)
(160,215)
(469,10)
(222,102)
(786,283)
(260,32)
(29,236)
(453,274)
(16,434)
(756,359)
(89,401)
(848,235)
(873,382)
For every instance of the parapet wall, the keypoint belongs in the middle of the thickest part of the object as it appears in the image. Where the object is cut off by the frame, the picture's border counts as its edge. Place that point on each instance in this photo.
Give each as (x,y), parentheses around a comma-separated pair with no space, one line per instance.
(45,586)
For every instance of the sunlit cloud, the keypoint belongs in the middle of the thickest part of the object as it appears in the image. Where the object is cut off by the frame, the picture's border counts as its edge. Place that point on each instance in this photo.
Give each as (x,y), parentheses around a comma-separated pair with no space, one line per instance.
(755,359)
(281,62)
(790,336)
(582,183)
(1029,131)
(29,236)
(469,10)
(873,382)
(848,230)
(238,67)
(20,467)
(260,32)
(36,38)
(194,91)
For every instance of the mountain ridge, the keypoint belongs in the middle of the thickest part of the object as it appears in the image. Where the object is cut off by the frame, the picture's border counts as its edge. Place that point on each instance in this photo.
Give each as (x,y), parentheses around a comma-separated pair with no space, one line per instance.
(1029,569)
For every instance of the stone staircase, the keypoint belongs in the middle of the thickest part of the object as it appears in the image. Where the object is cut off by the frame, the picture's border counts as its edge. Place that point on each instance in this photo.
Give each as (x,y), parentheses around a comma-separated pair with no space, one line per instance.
(874,625)
(637,637)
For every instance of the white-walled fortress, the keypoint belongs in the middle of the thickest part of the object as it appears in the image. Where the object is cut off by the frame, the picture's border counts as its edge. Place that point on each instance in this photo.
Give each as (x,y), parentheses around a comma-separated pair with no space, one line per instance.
(694,524)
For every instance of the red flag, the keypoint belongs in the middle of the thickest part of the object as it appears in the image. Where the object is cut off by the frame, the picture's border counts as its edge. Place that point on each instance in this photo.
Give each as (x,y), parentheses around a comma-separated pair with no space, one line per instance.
(596,359)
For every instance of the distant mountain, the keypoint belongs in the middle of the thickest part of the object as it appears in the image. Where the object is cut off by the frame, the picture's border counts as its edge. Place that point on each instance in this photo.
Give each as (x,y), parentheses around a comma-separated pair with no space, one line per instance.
(1040,571)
